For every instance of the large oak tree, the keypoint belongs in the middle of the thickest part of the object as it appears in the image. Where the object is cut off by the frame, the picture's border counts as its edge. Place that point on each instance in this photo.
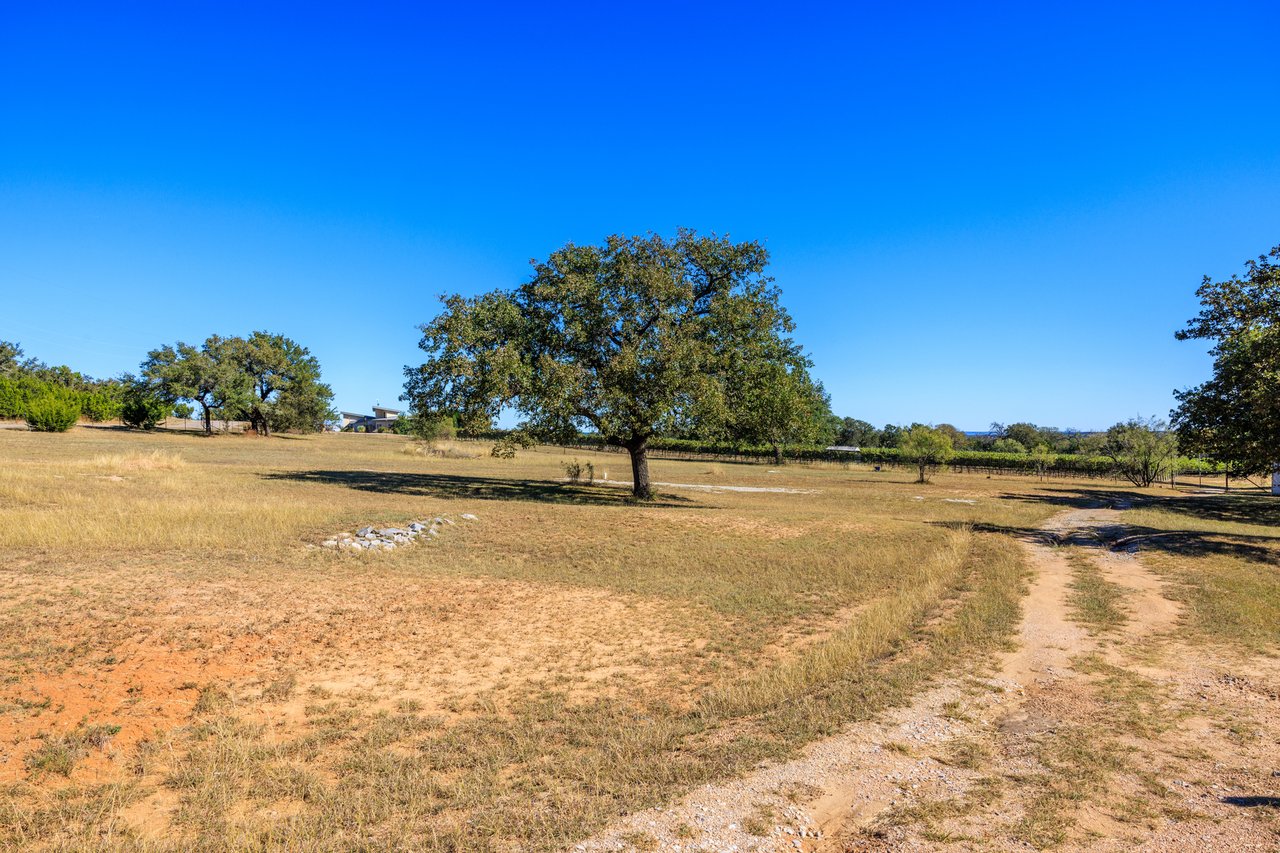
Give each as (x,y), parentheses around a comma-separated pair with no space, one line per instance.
(635,338)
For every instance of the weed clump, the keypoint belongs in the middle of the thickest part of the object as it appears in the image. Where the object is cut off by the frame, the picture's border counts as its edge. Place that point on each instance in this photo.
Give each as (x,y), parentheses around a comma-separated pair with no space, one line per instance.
(577,471)
(59,754)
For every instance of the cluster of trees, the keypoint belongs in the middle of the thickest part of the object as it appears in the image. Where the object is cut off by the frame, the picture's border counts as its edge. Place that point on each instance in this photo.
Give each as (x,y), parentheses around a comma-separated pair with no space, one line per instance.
(266,379)
(1141,451)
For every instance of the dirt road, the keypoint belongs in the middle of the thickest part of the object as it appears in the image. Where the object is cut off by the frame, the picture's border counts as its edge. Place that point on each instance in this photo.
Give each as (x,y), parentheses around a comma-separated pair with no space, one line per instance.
(1081,737)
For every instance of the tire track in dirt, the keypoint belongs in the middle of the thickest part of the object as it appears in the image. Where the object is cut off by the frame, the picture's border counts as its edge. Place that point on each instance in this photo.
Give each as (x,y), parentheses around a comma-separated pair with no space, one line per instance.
(852,778)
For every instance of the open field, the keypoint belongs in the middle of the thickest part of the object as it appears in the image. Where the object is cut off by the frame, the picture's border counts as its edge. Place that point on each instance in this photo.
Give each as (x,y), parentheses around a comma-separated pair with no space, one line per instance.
(184,669)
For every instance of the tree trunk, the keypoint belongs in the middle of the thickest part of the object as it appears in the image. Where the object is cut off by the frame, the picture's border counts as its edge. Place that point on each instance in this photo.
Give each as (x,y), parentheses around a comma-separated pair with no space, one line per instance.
(208,418)
(639,450)
(777,454)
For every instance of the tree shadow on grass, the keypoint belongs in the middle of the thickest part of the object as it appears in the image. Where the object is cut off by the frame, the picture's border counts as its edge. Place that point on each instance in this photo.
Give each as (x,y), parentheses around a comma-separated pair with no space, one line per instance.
(1184,543)
(1127,538)
(479,488)
(1262,510)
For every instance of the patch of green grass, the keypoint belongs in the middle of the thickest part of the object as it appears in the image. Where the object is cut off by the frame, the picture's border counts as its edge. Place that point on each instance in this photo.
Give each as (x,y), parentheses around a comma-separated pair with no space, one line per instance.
(930,815)
(1095,602)
(762,821)
(1129,703)
(81,817)
(212,698)
(639,841)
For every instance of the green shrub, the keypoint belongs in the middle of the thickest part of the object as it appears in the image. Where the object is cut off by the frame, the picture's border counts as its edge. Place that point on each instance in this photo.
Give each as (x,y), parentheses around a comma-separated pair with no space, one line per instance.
(143,408)
(13,402)
(507,445)
(429,427)
(576,471)
(100,406)
(52,413)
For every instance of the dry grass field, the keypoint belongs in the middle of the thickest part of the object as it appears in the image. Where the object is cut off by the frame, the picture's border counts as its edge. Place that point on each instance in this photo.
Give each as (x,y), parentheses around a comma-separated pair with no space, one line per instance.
(184,669)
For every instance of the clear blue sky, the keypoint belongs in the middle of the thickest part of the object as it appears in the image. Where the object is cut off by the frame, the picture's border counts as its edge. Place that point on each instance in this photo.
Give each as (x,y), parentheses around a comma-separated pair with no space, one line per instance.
(976,212)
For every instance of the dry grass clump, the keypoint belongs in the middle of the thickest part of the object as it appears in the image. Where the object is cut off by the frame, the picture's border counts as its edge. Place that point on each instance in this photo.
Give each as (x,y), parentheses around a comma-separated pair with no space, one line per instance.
(58,754)
(153,460)
(441,449)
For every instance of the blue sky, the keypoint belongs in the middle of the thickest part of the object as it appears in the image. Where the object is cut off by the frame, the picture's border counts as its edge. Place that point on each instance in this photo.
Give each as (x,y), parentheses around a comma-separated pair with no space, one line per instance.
(976,212)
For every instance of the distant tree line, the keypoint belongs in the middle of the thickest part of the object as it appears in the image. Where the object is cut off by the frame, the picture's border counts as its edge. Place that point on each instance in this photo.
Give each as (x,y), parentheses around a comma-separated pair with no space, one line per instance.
(1000,438)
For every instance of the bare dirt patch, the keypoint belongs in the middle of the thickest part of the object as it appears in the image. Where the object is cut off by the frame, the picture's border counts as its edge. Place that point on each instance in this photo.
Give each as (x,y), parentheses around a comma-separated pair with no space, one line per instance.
(442,643)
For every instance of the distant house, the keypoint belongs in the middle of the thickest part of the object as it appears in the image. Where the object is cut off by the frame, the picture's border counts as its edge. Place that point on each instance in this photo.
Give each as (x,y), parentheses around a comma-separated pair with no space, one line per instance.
(382,418)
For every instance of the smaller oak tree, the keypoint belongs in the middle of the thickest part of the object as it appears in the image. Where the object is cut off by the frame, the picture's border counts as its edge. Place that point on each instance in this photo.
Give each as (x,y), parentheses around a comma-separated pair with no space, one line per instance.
(928,448)
(1142,450)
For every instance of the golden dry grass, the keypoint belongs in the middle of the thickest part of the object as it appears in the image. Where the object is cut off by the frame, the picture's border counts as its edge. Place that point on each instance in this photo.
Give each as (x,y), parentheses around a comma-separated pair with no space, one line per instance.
(567,657)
